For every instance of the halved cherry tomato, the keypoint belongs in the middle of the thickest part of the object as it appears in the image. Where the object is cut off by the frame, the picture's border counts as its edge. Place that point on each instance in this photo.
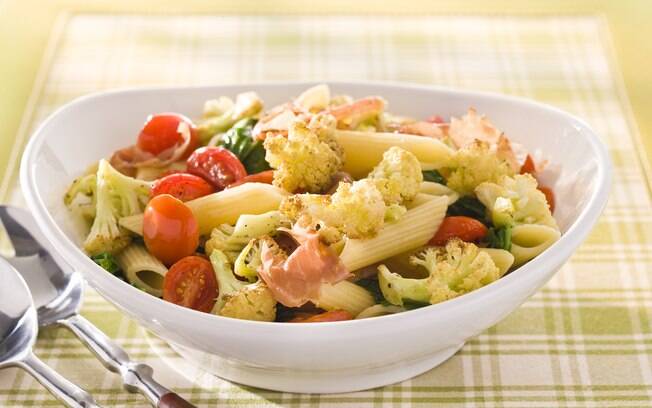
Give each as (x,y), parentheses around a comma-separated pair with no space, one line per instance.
(550,197)
(465,228)
(183,186)
(528,166)
(216,165)
(266,177)
(161,132)
(332,316)
(169,229)
(435,119)
(191,283)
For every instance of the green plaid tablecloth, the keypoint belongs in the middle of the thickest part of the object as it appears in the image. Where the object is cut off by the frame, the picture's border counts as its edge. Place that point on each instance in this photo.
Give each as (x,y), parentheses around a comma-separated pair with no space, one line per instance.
(585,340)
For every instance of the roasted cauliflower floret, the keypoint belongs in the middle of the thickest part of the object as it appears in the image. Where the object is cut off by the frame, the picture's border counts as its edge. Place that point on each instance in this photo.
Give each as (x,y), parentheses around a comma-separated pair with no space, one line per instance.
(398,176)
(307,158)
(515,200)
(239,299)
(231,239)
(115,196)
(474,164)
(455,269)
(356,210)
(80,197)
(253,302)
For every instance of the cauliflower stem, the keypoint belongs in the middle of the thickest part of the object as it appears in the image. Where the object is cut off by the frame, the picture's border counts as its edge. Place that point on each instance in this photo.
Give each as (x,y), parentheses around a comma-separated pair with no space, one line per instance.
(116,195)
(239,299)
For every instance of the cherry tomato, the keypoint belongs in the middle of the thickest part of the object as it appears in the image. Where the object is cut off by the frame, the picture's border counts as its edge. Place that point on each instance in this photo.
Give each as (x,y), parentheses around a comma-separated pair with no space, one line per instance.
(161,132)
(435,119)
(550,197)
(169,229)
(465,228)
(332,316)
(191,283)
(528,166)
(216,165)
(183,186)
(266,177)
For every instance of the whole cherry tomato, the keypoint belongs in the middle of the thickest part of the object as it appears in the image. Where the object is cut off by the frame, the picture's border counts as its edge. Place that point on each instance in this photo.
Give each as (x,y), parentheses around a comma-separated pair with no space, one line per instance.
(169,229)
(465,228)
(332,316)
(266,177)
(191,283)
(216,165)
(183,186)
(161,132)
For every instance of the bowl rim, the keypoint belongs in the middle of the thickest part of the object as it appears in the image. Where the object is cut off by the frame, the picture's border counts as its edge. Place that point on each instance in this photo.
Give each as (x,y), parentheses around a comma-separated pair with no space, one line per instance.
(550,258)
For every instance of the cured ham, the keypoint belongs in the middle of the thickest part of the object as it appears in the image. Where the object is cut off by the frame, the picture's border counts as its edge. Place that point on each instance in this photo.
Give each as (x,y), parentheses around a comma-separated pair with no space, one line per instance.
(296,279)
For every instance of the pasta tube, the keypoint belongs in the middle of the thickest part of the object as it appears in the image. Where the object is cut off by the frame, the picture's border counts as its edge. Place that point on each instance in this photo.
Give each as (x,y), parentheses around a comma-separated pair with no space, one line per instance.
(529,240)
(364,150)
(415,229)
(223,207)
(379,310)
(344,295)
(503,259)
(436,189)
(142,269)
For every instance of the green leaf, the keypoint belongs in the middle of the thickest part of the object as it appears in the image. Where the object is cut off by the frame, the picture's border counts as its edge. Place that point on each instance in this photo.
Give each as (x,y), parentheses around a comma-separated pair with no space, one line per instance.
(434,176)
(500,238)
(108,262)
(250,152)
(468,207)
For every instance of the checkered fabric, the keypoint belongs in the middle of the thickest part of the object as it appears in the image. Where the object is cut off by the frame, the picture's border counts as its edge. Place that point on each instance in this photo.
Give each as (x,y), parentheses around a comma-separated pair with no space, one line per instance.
(585,340)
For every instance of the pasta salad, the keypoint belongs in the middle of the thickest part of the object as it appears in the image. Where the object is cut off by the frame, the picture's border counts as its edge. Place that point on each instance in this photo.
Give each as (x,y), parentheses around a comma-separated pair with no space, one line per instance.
(323,208)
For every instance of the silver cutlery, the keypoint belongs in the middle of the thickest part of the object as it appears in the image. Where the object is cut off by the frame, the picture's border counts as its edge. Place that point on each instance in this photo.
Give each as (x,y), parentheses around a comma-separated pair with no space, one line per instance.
(18,330)
(57,292)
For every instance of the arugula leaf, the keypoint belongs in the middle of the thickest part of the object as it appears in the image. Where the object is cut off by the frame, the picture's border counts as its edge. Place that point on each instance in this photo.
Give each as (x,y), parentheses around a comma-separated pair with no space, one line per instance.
(434,176)
(500,238)
(108,262)
(250,152)
(469,207)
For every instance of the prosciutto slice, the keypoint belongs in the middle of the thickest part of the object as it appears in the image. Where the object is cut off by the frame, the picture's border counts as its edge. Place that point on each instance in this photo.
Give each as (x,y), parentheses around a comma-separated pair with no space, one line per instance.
(297,279)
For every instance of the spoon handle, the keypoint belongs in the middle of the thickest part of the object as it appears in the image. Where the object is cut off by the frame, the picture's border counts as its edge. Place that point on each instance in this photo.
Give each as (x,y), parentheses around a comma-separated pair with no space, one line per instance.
(136,377)
(68,393)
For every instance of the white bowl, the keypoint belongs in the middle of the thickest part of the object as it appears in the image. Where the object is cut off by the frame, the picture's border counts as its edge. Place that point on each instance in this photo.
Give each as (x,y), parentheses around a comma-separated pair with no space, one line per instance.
(328,357)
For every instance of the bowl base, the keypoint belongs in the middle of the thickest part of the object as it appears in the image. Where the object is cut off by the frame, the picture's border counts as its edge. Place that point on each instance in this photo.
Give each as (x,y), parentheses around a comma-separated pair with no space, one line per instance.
(313,382)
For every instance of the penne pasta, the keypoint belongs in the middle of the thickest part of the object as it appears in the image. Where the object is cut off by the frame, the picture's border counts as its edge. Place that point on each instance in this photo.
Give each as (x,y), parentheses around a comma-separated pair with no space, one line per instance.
(344,295)
(503,259)
(436,189)
(379,310)
(415,229)
(142,269)
(223,207)
(529,240)
(364,150)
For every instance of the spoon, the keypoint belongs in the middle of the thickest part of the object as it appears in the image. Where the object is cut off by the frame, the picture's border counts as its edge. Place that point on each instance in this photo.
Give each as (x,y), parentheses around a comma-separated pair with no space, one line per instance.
(18,329)
(57,294)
